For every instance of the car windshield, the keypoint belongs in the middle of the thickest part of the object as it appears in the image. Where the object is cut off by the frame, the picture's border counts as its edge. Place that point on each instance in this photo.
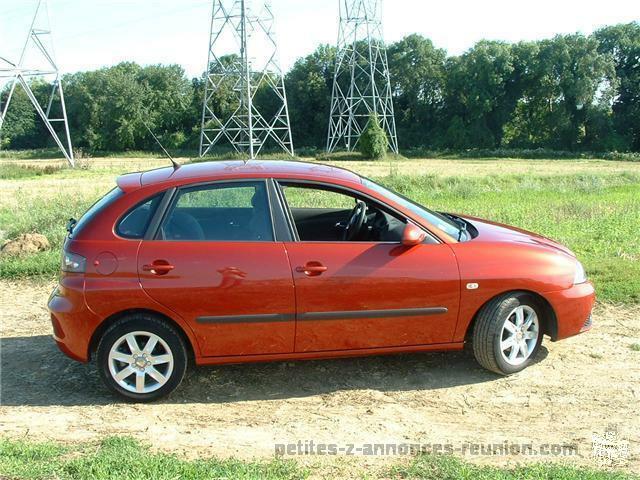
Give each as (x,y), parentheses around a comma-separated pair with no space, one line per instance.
(436,219)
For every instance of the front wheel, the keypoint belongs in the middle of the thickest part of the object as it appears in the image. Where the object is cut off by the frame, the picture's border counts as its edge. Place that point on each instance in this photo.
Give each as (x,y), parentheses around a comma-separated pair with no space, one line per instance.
(507,334)
(141,358)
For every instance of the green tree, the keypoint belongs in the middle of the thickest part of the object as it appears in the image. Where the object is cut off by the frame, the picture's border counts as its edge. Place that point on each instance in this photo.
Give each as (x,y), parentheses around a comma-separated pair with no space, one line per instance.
(478,95)
(309,85)
(418,84)
(20,129)
(108,108)
(569,84)
(373,142)
(622,43)
(568,92)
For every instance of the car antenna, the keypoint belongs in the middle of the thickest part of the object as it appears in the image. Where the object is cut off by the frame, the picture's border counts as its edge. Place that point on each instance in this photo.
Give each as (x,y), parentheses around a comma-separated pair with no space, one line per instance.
(175,164)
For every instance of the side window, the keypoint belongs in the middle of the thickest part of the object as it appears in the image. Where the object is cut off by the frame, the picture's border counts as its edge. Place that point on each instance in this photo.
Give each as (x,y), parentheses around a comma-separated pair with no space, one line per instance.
(135,223)
(324,214)
(300,197)
(237,211)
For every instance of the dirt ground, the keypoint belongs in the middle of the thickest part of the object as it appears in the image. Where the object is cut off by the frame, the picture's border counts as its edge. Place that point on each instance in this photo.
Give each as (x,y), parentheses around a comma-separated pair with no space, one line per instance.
(579,387)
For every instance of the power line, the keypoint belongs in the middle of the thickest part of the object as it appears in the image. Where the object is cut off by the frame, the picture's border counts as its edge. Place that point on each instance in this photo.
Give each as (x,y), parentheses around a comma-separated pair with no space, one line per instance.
(26,10)
(146,18)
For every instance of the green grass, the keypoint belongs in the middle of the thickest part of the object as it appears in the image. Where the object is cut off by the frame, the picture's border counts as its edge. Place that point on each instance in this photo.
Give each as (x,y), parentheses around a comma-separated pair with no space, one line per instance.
(635,347)
(47,216)
(449,468)
(13,171)
(43,153)
(354,156)
(123,457)
(531,153)
(596,215)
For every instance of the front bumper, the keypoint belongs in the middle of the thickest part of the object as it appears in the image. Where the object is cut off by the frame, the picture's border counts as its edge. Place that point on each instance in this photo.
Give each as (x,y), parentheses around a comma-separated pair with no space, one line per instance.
(573,308)
(71,318)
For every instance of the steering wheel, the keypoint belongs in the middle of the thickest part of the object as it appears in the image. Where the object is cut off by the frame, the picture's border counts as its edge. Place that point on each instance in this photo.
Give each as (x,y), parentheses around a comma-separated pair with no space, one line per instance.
(356,221)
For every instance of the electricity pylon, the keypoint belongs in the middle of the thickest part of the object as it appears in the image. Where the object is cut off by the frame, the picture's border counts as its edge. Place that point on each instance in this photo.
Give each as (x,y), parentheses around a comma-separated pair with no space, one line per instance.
(242,64)
(361,85)
(39,40)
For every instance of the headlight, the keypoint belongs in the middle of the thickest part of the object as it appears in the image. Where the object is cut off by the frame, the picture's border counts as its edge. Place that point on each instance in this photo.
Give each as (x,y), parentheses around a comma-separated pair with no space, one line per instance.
(581,275)
(73,263)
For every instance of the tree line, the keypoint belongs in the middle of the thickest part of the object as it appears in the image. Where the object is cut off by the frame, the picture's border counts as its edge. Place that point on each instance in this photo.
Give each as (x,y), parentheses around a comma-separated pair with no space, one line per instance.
(571,92)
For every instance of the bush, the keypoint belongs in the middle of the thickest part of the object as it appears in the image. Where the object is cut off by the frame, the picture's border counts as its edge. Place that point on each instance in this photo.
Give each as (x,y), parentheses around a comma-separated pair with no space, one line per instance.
(373,141)
(14,171)
(523,153)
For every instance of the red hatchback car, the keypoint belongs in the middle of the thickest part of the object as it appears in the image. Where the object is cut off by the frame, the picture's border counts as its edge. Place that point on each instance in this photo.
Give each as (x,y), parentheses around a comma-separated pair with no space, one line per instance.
(228,262)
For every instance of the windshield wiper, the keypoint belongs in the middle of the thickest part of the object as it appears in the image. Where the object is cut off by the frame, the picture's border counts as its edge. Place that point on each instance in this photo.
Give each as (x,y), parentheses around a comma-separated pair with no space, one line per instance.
(462,225)
(463,229)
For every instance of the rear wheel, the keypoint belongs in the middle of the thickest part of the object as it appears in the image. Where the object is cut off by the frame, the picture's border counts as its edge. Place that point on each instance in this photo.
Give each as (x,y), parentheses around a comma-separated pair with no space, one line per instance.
(142,358)
(507,334)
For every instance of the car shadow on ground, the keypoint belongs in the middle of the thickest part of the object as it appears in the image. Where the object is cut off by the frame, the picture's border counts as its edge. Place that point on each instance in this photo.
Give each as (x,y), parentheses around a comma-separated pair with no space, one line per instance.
(35,373)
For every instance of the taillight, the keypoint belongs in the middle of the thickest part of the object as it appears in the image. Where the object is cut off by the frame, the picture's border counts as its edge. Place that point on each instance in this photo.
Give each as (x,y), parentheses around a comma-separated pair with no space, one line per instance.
(73,263)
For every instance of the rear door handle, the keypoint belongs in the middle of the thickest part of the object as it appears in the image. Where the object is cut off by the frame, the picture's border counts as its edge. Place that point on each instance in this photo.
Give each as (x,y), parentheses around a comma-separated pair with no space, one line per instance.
(159,267)
(312,269)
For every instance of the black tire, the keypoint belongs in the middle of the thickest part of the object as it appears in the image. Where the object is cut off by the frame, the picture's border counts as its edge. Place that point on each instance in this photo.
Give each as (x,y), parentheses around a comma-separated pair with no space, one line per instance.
(487,332)
(142,322)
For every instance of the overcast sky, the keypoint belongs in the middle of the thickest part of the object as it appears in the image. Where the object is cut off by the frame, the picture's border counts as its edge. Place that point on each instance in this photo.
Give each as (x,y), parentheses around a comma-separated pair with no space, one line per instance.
(94,33)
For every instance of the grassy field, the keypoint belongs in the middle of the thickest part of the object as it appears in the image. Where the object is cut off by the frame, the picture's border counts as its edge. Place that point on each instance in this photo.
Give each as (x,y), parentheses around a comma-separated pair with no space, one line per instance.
(122,457)
(592,206)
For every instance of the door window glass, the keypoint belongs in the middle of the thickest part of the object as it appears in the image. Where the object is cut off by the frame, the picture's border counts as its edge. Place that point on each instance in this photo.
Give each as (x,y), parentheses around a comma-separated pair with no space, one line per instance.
(236,211)
(326,214)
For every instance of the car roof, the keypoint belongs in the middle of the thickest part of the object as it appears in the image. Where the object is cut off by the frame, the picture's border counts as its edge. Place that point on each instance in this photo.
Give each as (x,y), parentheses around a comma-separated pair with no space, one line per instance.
(222,169)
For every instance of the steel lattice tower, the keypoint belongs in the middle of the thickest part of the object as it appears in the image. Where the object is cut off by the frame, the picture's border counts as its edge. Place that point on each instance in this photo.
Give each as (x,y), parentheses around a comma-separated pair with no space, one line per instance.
(362,84)
(39,40)
(246,32)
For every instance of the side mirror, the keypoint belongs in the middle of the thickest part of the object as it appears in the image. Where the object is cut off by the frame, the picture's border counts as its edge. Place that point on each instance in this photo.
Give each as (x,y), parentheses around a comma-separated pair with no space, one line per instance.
(413,235)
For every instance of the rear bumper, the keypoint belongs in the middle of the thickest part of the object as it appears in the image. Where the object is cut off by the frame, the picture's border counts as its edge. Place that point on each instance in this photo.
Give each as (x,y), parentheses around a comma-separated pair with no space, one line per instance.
(71,319)
(573,309)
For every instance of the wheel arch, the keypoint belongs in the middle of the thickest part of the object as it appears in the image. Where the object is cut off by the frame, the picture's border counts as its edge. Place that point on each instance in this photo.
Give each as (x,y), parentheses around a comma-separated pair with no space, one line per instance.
(549,320)
(107,322)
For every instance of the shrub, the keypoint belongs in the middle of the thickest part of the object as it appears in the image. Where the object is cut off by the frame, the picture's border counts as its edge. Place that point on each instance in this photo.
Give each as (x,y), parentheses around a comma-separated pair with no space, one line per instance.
(373,141)
(14,171)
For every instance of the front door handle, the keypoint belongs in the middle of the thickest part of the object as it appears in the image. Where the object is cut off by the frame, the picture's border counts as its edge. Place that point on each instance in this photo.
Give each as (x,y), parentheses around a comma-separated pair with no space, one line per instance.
(312,269)
(159,267)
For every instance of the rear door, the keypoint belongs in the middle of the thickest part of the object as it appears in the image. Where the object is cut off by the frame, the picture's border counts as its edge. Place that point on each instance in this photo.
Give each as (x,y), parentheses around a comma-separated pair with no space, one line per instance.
(215,262)
(366,294)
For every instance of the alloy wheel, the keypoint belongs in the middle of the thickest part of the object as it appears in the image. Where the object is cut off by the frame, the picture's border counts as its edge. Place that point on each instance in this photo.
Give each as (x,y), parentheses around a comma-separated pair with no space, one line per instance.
(141,362)
(519,336)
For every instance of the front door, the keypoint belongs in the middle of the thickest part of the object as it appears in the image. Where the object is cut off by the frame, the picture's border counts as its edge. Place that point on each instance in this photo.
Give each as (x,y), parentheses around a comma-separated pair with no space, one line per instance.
(216,264)
(368,291)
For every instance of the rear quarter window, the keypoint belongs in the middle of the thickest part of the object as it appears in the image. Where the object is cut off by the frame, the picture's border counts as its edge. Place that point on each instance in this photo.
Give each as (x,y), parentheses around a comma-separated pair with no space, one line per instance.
(95,210)
(136,221)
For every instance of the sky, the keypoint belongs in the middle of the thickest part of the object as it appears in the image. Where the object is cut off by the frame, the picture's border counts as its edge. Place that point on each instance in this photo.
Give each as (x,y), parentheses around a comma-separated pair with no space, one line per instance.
(90,34)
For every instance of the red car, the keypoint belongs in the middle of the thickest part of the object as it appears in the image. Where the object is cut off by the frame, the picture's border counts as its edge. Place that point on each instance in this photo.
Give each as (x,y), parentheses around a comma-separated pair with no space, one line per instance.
(228,262)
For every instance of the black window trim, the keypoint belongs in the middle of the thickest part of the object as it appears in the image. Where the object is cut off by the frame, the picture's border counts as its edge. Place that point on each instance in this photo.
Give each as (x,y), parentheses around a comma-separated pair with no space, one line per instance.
(175,193)
(354,192)
(279,213)
(156,221)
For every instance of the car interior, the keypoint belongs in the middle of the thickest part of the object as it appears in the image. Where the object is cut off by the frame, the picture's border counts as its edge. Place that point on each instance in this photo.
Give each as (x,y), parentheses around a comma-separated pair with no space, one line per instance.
(322,214)
(232,212)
